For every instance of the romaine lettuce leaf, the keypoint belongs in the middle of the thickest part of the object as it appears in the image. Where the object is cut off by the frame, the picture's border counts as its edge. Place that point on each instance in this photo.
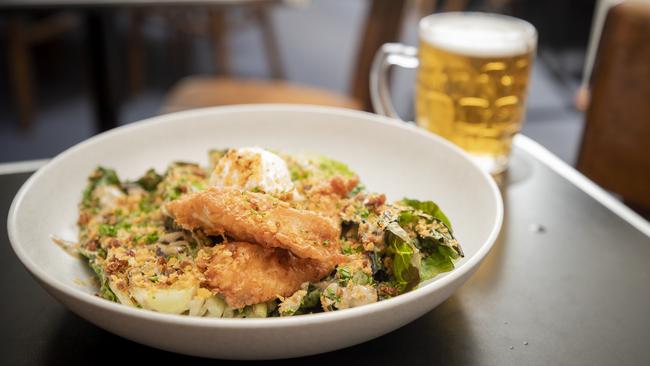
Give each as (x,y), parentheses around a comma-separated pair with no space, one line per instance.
(436,262)
(306,166)
(404,255)
(429,208)
(436,232)
(149,181)
(434,236)
(104,290)
(330,167)
(312,299)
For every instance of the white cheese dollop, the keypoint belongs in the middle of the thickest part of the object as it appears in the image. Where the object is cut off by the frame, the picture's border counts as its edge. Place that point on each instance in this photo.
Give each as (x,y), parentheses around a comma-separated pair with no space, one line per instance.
(252,169)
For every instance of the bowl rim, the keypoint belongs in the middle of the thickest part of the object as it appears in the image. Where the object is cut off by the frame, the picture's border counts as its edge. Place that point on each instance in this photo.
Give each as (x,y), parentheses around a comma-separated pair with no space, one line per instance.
(250,323)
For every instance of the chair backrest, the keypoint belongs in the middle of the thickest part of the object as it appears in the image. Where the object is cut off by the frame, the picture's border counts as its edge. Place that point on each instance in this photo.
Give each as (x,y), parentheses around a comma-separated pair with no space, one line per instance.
(382,25)
(615,149)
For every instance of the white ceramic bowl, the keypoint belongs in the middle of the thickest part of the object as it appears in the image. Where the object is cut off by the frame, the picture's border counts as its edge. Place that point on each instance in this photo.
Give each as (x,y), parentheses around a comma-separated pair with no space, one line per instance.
(390,157)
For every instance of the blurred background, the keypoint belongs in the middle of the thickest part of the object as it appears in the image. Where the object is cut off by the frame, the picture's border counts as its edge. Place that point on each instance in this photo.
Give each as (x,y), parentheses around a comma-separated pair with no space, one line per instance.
(312,42)
(69,70)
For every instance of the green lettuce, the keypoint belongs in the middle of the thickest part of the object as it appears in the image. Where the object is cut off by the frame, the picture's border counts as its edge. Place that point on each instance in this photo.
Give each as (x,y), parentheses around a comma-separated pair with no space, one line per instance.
(330,167)
(104,290)
(149,181)
(404,255)
(436,262)
(99,177)
(214,155)
(429,208)
(312,299)
(438,230)
(310,303)
(435,239)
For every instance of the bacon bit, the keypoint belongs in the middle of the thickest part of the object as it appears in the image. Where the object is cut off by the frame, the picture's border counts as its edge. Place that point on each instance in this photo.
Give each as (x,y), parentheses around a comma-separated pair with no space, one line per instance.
(114,243)
(130,253)
(92,245)
(342,186)
(352,183)
(388,290)
(376,200)
(116,265)
(84,218)
(162,261)
(338,185)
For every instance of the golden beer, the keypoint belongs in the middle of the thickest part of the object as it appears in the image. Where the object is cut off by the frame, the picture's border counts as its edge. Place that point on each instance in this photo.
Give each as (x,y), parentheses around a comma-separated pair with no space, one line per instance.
(472,80)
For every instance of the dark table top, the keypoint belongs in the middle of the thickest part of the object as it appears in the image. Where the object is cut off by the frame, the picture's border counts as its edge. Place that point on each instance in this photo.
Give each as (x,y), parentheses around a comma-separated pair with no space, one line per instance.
(568,282)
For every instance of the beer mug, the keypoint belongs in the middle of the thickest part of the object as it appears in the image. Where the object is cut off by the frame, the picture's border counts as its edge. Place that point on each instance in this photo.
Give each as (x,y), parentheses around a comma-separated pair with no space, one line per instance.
(472,76)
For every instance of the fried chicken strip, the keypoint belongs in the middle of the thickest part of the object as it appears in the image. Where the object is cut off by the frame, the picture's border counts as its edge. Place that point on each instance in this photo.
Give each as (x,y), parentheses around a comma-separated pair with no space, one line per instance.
(261,219)
(247,274)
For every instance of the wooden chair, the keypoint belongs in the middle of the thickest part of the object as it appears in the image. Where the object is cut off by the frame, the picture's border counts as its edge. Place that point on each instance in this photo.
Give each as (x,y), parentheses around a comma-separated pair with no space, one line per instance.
(615,150)
(211,21)
(383,24)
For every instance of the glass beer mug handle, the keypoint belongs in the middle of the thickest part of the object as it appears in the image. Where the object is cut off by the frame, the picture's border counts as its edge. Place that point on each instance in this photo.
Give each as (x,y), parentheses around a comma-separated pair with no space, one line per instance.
(388,55)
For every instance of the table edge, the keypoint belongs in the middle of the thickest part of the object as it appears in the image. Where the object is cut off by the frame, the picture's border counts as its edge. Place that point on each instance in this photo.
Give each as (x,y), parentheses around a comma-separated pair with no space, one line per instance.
(521,141)
(582,182)
(24,166)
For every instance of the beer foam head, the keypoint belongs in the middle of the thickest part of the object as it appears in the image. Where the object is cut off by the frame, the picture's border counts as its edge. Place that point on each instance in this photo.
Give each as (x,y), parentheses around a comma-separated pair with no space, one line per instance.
(478,34)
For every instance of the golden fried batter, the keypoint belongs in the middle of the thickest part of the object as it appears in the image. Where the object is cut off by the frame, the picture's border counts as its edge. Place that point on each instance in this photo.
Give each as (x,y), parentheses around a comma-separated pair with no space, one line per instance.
(259,218)
(247,274)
